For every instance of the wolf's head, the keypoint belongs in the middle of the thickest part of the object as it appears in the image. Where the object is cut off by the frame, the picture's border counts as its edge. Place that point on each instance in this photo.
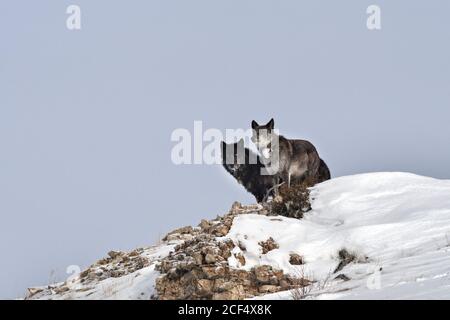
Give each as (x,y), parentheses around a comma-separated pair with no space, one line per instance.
(262,135)
(233,156)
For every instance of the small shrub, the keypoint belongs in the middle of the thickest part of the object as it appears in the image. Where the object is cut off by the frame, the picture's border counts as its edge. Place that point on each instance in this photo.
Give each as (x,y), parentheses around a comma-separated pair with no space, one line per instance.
(292,202)
(346,257)
(268,245)
(309,286)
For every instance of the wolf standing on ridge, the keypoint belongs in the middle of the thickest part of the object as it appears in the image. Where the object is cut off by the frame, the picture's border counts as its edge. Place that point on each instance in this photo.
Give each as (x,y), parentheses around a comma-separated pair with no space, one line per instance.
(245,167)
(297,160)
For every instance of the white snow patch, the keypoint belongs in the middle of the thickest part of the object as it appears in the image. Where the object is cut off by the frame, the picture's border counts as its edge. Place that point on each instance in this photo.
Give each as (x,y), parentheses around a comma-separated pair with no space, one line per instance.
(139,285)
(399,221)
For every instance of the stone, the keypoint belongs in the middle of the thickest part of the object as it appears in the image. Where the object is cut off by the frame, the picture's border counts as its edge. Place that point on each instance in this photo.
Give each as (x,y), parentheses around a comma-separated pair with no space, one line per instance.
(295,259)
(342,277)
(210,258)
(268,245)
(183,230)
(198,267)
(172,237)
(221,230)
(224,285)
(133,253)
(85,273)
(235,207)
(263,273)
(268,288)
(226,295)
(240,257)
(114,254)
(205,286)
(204,225)
(284,285)
(198,258)
(213,272)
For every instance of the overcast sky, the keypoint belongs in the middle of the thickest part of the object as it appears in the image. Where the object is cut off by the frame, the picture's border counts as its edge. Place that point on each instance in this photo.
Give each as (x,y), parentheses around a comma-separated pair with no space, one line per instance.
(86,116)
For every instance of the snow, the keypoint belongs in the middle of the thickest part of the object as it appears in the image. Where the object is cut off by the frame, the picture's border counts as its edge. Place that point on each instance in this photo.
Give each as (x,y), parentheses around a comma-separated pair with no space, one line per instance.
(139,285)
(397,224)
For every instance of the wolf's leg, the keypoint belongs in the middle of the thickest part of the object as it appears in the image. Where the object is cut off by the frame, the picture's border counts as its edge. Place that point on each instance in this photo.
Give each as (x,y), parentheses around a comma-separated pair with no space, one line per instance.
(276,184)
(287,179)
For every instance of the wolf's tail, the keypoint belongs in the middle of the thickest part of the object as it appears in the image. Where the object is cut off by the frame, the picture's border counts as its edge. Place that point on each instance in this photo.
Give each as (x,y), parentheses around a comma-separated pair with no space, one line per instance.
(323,172)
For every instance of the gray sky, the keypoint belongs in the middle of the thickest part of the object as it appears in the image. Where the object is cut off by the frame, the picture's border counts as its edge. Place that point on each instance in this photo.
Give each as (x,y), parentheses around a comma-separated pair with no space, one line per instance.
(86,116)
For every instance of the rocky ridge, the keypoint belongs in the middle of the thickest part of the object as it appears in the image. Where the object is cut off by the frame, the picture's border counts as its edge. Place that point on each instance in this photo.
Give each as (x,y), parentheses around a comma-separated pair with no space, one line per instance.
(196,266)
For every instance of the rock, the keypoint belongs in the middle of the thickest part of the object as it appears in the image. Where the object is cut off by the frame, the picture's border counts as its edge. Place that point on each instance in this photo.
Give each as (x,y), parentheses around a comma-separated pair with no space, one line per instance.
(278,274)
(180,233)
(342,277)
(235,292)
(235,207)
(223,285)
(263,273)
(204,286)
(114,254)
(345,258)
(198,267)
(268,245)
(133,253)
(204,225)
(226,295)
(295,259)
(62,289)
(284,285)
(214,272)
(221,230)
(269,288)
(210,258)
(183,230)
(240,257)
(172,237)
(243,275)
(102,262)
(85,273)
(198,257)
(33,291)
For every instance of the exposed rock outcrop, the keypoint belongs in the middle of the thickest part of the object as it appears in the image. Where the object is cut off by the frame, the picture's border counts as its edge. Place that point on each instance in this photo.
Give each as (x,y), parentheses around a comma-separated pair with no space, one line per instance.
(199,268)
(197,263)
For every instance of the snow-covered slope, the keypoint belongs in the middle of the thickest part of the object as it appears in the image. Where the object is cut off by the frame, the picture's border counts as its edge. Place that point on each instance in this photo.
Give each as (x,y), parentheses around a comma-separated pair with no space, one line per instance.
(117,277)
(396,226)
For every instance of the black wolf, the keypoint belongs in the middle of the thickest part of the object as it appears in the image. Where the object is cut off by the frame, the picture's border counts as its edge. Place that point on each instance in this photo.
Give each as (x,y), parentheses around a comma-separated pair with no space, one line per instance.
(298,160)
(245,167)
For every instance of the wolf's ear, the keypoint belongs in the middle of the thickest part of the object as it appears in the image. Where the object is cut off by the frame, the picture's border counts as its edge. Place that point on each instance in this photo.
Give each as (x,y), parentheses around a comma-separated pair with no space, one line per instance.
(270,124)
(254,124)
(241,143)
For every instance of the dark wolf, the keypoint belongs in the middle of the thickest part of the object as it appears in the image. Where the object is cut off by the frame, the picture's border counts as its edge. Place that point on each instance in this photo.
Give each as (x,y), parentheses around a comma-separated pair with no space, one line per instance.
(245,166)
(298,160)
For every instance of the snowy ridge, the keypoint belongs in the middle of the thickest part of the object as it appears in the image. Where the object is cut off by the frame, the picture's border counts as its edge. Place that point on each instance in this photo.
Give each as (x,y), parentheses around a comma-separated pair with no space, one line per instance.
(137,285)
(399,221)
(396,225)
